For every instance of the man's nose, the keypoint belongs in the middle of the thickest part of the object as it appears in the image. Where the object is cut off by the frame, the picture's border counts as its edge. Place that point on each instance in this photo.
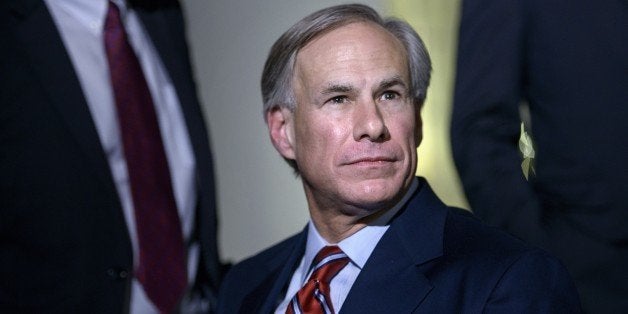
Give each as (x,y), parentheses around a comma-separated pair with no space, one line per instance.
(369,122)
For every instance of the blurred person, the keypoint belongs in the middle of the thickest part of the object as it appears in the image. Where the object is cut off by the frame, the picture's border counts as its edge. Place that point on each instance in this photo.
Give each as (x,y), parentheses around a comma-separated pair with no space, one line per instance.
(107,187)
(342,91)
(567,62)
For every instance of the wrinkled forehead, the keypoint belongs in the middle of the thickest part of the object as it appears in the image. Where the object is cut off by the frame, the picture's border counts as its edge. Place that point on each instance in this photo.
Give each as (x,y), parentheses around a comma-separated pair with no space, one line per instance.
(353,50)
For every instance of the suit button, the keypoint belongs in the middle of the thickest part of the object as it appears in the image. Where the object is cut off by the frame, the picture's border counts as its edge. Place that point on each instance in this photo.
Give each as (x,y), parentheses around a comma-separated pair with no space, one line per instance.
(117,273)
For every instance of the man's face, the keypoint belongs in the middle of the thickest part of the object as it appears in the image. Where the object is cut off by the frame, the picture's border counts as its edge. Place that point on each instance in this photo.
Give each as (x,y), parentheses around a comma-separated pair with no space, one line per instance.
(355,129)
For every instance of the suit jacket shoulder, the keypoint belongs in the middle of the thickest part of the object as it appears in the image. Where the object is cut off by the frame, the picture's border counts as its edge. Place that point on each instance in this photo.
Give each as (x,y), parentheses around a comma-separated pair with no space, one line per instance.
(437,259)
(502,273)
(250,284)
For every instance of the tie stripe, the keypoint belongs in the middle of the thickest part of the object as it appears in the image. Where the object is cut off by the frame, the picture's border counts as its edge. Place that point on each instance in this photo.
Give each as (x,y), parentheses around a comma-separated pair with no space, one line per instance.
(323,301)
(313,297)
(329,259)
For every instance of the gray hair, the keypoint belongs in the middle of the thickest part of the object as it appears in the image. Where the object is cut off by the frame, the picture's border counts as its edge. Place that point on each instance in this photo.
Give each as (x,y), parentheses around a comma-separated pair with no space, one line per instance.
(277,89)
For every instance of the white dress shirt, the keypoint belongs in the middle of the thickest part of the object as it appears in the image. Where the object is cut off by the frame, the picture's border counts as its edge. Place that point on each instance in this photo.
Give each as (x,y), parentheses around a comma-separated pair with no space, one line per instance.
(80,24)
(358,247)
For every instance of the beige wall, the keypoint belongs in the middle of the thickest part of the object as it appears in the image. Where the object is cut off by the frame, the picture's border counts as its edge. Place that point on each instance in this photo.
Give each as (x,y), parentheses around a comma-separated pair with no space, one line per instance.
(437,23)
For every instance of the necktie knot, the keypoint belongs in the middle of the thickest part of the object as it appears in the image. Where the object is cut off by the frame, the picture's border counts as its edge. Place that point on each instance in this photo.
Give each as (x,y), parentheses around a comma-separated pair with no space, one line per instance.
(314,296)
(327,263)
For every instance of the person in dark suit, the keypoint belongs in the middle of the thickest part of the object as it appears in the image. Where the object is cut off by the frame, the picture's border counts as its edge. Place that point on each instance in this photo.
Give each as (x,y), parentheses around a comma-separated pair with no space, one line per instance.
(566,62)
(342,94)
(68,236)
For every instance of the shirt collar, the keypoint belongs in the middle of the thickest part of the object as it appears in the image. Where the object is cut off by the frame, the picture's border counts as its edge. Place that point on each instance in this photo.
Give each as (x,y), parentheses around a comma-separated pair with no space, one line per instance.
(89,13)
(359,245)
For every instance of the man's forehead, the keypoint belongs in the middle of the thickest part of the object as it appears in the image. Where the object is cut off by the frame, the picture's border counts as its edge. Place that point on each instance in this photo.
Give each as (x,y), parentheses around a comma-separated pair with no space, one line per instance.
(357,33)
(329,80)
(353,55)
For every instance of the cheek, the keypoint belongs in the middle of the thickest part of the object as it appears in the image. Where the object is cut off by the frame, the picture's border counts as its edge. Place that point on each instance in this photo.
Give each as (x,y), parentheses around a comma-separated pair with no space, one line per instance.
(412,129)
(310,137)
(321,140)
(406,130)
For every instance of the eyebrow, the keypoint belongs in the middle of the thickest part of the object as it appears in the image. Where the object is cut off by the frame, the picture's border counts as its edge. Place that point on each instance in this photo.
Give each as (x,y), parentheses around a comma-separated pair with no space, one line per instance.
(393,81)
(333,88)
(337,88)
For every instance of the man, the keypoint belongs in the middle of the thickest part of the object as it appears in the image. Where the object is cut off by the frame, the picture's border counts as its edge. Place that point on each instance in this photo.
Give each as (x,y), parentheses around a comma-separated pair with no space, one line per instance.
(342,94)
(103,210)
(567,61)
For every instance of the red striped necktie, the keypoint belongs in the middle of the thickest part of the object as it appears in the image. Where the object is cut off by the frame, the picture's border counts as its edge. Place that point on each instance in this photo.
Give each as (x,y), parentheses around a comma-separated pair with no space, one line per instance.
(314,296)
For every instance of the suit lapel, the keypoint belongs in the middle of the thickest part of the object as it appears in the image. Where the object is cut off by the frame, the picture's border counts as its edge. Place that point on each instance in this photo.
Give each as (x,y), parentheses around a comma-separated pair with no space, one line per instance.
(41,40)
(265,297)
(394,278)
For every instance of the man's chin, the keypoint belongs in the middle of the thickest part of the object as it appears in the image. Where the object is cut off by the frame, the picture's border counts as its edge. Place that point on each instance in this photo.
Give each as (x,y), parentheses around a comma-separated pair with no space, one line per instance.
(377,196)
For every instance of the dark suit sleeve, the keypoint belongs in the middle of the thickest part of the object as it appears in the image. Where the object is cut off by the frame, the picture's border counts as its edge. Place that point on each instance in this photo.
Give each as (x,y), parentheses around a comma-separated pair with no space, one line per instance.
(485,121)
(534,283)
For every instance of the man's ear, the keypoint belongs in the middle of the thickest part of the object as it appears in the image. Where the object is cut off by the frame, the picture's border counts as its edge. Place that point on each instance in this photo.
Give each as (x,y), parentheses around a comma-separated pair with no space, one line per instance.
(281,128)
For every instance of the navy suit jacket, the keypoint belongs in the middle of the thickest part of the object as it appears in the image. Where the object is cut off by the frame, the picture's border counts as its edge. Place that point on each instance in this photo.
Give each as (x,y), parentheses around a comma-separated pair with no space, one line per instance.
(432,259)
(64,245)
(568,60)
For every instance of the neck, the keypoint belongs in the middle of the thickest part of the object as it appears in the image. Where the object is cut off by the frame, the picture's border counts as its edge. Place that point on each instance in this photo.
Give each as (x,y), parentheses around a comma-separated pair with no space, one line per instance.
(337,221)
(335,226)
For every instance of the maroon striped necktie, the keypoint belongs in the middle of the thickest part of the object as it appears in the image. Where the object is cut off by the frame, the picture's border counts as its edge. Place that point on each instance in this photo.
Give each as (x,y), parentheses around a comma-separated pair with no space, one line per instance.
(161,268)
(314,296)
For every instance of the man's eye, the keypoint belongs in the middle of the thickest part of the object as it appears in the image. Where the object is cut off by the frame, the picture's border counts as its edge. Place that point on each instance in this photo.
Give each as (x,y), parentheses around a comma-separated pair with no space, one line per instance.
(339,100)
(389,96)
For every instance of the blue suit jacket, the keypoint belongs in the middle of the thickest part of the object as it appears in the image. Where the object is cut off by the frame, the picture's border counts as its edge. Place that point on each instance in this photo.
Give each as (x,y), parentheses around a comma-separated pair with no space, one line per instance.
(432,259)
